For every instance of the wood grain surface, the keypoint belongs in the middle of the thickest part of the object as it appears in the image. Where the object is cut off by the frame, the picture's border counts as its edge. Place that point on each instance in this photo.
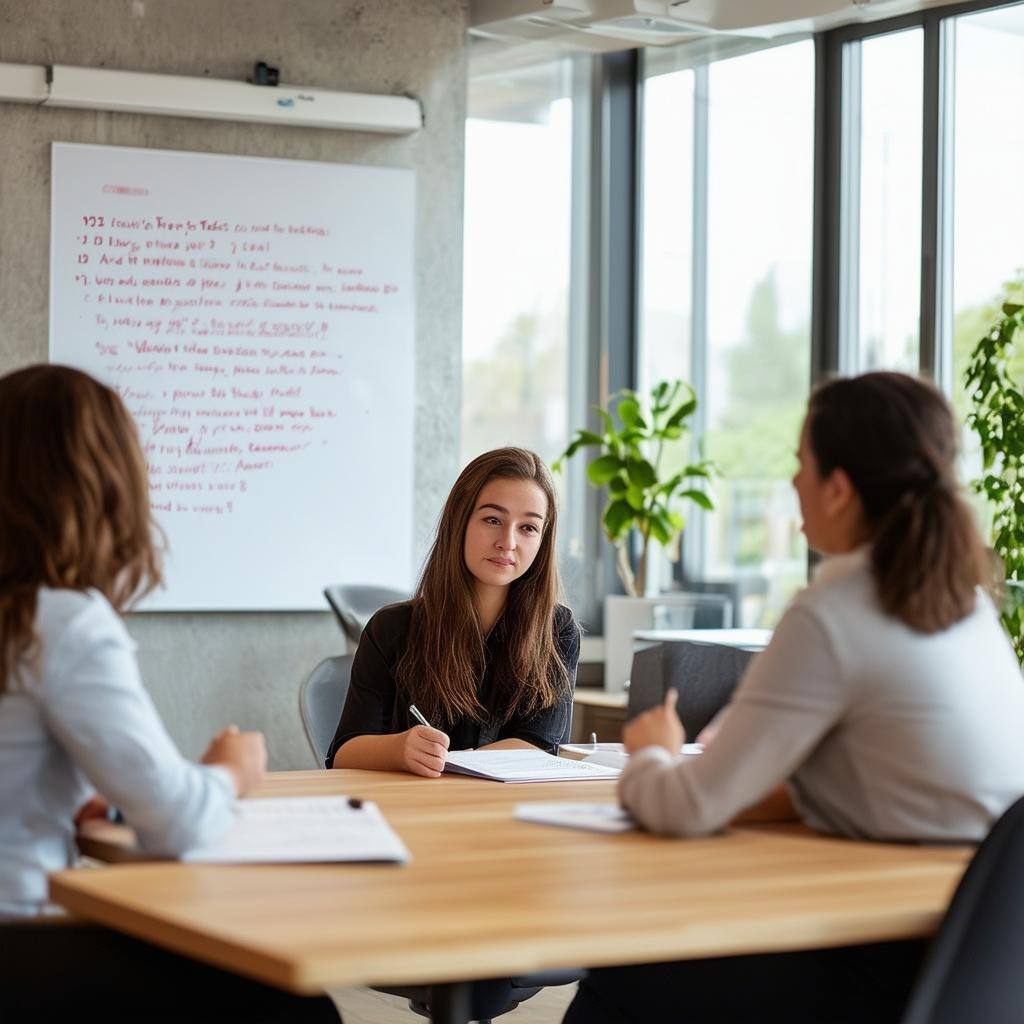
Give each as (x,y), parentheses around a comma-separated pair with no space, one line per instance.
(486,895)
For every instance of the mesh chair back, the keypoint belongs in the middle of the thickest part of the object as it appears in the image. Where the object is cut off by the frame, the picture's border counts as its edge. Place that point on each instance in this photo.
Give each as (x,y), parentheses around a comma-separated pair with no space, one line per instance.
(355,603)
(705,676)
(973,971)
(321,698)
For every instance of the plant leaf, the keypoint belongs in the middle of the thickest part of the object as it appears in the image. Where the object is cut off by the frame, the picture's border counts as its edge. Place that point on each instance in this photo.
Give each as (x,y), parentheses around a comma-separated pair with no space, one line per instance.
(635,497)
(641,472)
(699,498)
(661,532)
(601,470)
(629,411)
(617,519)
(680,415)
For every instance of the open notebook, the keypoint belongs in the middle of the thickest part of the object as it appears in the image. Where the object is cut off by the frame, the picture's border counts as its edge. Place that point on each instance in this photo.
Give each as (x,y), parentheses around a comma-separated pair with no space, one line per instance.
(524,766)
(613,755)
(307,829)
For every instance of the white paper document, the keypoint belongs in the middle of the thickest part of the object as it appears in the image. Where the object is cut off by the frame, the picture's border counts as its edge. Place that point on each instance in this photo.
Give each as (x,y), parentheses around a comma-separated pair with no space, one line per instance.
(588,817)
(613,755)
(308,829)
(524,766)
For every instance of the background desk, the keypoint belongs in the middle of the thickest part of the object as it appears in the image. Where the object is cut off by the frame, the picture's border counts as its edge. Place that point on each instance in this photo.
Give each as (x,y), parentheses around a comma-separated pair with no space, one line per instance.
(488,896)
(745,639)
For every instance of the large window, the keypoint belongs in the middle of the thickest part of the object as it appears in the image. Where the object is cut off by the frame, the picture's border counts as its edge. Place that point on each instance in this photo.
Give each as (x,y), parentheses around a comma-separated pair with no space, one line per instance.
(885,199)
(518,220)
(761,159)
(919,236)
(726,293)
(988,227)
(666,309)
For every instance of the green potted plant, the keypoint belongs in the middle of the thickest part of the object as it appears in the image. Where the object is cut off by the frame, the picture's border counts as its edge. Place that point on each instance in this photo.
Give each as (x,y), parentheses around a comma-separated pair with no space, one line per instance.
(997,417)
(642,461)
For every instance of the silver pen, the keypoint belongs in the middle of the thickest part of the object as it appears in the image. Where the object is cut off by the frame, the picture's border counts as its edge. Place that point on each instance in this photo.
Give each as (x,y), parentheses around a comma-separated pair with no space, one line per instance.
(418,715)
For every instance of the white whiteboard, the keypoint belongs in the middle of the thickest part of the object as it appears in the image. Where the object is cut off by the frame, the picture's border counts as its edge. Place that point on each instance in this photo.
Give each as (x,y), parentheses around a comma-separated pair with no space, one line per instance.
(257,317)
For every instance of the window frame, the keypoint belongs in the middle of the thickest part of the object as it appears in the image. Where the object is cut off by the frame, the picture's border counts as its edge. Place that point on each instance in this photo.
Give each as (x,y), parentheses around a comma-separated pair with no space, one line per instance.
(834,98)
(605,284)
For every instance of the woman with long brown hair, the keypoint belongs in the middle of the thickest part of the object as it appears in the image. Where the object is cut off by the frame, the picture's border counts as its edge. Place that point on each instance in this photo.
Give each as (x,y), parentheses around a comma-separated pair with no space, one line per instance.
(484,650)
(889,705)
(76,550)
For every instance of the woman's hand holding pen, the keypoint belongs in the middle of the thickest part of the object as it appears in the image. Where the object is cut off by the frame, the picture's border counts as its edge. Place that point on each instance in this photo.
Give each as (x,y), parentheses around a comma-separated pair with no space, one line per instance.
(659,727)
(424,750)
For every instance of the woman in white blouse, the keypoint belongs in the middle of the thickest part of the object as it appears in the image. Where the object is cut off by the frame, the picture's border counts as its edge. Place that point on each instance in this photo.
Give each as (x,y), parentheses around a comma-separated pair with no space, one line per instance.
(889,706)
(76,549)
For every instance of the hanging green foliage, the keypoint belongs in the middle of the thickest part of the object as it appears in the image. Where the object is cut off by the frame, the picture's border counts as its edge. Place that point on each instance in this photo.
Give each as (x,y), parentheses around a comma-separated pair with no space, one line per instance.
(997,417)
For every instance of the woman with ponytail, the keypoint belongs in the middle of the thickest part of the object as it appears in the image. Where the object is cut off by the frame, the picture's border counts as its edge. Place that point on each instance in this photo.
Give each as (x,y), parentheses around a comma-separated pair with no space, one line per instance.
(483,650)
(888,706)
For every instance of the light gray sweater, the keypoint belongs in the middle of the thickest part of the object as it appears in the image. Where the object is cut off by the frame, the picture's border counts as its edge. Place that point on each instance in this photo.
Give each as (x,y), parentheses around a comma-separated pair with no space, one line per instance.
(882,732)
(79,720)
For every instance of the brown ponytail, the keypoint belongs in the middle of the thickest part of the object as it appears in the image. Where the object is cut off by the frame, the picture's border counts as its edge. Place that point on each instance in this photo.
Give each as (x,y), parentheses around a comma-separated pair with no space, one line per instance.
(895,437)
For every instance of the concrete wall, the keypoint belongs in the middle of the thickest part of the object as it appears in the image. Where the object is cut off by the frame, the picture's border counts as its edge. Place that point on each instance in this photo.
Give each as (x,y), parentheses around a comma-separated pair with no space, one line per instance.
(205,670)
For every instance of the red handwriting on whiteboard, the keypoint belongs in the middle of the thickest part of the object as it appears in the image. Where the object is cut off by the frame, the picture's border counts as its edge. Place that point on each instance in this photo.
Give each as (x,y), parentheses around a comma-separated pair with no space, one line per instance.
(225,341)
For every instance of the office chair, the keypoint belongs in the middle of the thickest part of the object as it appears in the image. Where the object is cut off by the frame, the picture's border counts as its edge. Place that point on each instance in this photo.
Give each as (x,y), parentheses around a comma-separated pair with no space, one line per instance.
(321,698)
(704,675)
(355,603)
(973,970)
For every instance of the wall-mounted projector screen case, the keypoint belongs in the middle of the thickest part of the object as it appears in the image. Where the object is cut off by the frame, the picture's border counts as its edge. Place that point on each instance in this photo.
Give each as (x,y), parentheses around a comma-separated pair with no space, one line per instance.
(257,317)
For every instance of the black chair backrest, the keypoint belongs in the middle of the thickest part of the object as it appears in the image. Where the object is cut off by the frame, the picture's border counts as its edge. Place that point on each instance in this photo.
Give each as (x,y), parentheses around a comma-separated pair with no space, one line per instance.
(321,698)
(973,971)
(355,603)
(705,675)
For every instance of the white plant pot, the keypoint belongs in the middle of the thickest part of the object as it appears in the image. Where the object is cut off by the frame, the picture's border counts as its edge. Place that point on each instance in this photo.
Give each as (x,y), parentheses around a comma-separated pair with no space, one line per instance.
(623,616)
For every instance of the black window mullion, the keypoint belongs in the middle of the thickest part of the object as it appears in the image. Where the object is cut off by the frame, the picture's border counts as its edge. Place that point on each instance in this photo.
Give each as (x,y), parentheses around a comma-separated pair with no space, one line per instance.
(615,248)
(620,236)
(930,153)
(942,367)
(826,259)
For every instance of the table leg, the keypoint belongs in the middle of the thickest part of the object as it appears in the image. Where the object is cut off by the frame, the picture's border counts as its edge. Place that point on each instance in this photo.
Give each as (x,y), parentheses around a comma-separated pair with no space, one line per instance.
(450,1004)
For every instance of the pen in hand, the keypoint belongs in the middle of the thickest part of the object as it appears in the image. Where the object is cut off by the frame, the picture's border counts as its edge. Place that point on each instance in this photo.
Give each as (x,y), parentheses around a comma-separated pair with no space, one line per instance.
(425,748)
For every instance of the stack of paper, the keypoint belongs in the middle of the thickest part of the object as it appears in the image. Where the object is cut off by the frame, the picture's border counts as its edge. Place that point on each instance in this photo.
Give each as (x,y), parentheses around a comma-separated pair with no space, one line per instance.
(588,817)
(524,766)
(304,829)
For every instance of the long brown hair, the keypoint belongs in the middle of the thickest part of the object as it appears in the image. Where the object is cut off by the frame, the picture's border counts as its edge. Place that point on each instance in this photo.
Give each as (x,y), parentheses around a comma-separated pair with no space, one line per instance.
(895,437)
(446,649)
(74,503)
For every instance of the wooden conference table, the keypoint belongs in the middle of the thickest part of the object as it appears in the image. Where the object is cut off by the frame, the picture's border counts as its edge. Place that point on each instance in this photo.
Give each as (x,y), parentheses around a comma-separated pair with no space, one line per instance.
(487,896)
